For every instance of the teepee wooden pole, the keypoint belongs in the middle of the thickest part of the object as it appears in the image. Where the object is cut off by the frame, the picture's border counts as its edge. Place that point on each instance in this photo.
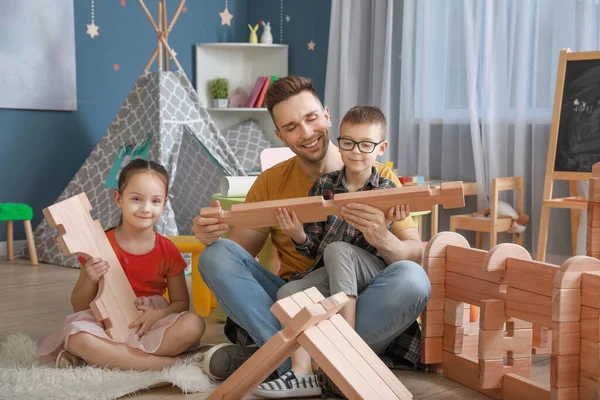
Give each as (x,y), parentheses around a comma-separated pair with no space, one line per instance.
(160,34)
(149,63)
(165,31)
(148,15)
(166,44)
(175,16)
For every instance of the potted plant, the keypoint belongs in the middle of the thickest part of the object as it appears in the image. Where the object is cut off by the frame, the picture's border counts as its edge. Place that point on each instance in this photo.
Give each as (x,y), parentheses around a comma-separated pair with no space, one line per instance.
(219,87)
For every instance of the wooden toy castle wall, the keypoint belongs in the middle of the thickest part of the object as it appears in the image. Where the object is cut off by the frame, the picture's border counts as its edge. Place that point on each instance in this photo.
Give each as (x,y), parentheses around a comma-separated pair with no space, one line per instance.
(515,292)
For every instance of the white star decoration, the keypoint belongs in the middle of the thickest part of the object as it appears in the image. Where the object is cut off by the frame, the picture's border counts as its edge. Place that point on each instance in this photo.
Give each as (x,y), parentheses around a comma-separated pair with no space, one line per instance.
(287,18)
(311,45)
(92,30)
(226,17)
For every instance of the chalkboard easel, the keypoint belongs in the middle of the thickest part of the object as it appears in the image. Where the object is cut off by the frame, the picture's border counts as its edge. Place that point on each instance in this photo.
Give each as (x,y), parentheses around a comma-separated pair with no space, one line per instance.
(574,144)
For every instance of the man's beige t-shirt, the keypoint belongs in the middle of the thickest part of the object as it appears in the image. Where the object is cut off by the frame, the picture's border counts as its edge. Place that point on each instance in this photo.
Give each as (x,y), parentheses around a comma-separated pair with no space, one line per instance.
(286,180)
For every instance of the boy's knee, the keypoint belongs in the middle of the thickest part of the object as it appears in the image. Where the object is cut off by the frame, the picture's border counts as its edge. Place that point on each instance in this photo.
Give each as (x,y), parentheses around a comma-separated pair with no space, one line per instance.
(336,251)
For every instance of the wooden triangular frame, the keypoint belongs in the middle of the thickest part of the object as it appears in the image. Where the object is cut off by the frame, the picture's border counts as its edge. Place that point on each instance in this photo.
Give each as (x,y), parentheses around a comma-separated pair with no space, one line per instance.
(162,29)
(312,322)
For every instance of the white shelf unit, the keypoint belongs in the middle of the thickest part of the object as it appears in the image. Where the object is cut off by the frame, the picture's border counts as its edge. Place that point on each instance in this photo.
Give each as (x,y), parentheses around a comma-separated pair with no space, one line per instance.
(241,64)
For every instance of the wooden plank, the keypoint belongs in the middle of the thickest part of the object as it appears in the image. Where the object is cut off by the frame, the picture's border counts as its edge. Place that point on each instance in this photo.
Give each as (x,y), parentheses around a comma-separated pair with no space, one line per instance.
(564,371)
(432,350)
(590,324)
(432,324)
(453,312)
(528,306)
(437,298)
(517,387)
(566,305)
(590,357)
(590,290)
(589,387)
(465,370)
(453,339)
(316,208)
(471,290)
(491,372)
(496,344)
(469,262)
(80,235)
(566,337)
(532,276)
(436,270)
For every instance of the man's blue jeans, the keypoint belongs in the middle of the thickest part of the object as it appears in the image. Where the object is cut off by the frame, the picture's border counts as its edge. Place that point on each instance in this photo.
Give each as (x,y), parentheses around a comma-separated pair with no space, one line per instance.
(246,291)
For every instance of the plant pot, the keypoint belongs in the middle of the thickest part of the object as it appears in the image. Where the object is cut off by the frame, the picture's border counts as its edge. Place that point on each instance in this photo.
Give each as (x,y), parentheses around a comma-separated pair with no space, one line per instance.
(221,103)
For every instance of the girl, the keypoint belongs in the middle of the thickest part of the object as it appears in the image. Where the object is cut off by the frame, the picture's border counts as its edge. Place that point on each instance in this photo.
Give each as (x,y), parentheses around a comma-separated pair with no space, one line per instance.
(152,264)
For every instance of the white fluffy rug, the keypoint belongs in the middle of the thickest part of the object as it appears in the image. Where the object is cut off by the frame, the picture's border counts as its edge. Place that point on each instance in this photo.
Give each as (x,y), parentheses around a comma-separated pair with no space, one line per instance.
(21,377)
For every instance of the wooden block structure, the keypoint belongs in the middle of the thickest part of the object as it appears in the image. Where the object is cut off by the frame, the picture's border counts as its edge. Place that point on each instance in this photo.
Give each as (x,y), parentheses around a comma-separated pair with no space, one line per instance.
(79,234)
(514,294)
(312,322)
(315,208)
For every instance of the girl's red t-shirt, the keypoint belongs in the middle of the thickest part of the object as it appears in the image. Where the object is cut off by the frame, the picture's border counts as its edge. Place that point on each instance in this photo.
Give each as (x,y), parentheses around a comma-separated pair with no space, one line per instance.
(148,273)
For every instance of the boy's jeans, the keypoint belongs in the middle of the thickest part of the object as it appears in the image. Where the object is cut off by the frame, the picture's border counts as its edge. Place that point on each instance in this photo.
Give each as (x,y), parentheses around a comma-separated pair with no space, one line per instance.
(246,291)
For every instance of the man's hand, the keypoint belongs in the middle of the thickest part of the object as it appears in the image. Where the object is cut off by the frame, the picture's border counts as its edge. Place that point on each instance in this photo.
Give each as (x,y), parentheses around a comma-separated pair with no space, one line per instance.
(207,230)
(369,220)
(290,225)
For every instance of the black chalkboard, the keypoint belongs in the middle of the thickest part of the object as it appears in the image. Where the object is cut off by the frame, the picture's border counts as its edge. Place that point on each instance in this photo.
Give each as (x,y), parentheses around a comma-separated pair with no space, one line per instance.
(578,144)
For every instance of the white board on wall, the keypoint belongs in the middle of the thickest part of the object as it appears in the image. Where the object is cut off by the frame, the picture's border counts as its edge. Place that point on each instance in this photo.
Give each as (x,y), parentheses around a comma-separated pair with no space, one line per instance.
(37,55)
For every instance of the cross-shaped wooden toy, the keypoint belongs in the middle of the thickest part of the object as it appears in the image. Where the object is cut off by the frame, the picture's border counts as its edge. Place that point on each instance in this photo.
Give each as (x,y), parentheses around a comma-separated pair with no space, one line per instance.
(311,321)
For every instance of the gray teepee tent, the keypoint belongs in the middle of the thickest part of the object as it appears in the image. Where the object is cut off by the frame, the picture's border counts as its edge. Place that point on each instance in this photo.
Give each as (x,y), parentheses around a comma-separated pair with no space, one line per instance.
(162,120)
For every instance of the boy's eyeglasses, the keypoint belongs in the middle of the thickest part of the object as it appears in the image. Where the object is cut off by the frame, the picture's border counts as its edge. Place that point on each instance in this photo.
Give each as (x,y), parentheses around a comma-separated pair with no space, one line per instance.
(364,146)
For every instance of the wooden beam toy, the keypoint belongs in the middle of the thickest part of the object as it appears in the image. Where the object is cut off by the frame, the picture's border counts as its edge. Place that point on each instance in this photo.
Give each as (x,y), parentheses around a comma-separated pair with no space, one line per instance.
(315,208)
(80,235)
(312,322)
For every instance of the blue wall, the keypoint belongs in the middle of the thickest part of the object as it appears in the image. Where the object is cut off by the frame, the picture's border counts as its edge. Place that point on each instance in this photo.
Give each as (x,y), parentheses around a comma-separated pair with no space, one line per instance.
(40,151)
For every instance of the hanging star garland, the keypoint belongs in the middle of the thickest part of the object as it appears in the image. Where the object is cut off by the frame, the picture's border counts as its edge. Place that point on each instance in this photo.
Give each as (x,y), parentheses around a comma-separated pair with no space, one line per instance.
(226,16)
(311,45)
(92,29)
(281,21)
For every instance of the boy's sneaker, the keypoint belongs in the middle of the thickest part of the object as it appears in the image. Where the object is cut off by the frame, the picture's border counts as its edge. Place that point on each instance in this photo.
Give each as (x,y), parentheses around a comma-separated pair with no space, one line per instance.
(223,359)
(329,388)
(289,386)
(66,359)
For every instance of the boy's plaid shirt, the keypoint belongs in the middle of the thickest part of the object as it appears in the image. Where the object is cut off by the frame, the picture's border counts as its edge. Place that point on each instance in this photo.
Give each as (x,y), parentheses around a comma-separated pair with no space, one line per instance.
(320,234)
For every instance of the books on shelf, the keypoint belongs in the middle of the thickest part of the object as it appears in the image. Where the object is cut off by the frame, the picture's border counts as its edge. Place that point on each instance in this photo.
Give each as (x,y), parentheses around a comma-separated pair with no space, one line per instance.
(257,96)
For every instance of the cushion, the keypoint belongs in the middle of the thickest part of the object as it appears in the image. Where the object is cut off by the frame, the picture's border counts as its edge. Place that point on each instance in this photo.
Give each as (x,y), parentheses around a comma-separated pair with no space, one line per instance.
(247,141)
(15,212)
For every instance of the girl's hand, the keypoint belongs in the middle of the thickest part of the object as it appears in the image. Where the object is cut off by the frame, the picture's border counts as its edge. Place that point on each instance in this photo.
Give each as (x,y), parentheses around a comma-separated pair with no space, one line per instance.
(290,225)
(149,317)
(96,268)
(398,213)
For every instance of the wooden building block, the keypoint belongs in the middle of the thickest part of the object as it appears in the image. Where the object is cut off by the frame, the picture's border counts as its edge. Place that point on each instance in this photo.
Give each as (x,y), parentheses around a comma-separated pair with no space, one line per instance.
(531,276)
(497,258)
(437,298)
(592,239)
(566,337)
(590,357)
(593,216)
(315,208)
(471,290)
(589,387)
(453,312)
(540,336)
(594,190)
(590,323)
(453,339)
(569,274)
(80,235)
(433,323)
(570,393)
(436,270)
(493,316)
(590,290)
(529,306)
(566,305)
(436,246)
(515,387)
(465,370)
(564,371)
(467,319)
(496,344)
(469,262)
(432,350)
(491,372)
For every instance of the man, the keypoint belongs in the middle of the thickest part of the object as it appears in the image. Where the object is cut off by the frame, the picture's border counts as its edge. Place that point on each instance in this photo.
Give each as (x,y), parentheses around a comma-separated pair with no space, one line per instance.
(246,291)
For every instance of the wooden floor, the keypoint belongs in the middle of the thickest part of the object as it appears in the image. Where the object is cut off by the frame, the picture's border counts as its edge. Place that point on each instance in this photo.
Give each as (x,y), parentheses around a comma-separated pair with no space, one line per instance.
(35,300)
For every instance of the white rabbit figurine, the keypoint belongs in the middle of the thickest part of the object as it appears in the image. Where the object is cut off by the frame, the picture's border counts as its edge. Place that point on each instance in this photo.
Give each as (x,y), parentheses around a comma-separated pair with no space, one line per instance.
(266,37)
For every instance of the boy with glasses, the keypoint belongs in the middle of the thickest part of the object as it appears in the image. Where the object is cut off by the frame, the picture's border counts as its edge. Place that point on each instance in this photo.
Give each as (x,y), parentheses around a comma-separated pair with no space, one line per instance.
(343,259)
